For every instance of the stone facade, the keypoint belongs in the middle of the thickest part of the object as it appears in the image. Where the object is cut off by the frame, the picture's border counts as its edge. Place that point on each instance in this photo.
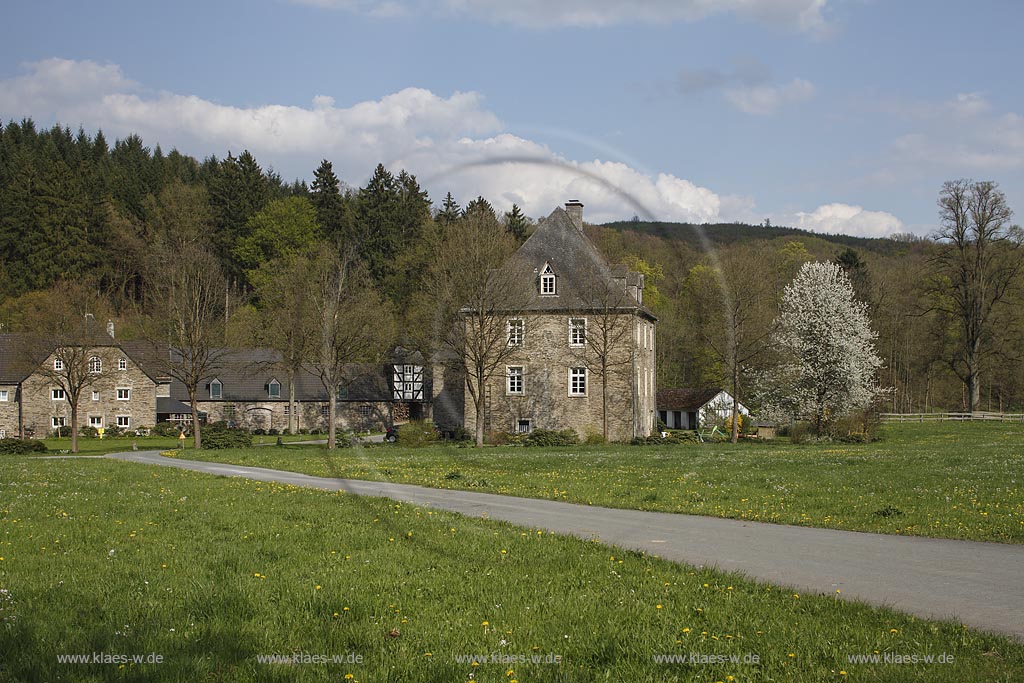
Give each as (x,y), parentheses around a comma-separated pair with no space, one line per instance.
(266,415)
(581,353)
(98,404)
(9,411)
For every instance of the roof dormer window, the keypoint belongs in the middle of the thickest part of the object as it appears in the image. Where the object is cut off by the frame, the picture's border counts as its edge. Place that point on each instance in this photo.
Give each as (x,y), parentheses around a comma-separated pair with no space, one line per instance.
(274,389)
(216,389)
(548,284)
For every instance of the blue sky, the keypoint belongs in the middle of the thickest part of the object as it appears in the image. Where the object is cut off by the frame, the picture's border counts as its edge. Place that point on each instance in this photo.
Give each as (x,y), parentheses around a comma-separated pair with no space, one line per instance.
(837,116)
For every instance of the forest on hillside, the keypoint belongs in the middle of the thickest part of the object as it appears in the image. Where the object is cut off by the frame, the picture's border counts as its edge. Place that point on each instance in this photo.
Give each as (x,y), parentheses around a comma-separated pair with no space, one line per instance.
(118,217)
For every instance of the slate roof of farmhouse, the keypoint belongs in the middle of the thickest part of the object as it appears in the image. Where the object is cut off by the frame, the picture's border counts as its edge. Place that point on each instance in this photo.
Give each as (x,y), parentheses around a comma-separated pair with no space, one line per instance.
(686,400)
(245,375)
(584,280)
(12,369)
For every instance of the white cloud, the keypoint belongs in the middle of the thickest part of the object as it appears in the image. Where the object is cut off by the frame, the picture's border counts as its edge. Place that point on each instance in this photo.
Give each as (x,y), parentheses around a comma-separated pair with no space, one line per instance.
(803,15)
(844,219)
(762,100)
(452,144)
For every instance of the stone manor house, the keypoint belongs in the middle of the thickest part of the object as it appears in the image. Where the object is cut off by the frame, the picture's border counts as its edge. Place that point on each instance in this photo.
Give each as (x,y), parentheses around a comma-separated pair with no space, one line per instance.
(581,348)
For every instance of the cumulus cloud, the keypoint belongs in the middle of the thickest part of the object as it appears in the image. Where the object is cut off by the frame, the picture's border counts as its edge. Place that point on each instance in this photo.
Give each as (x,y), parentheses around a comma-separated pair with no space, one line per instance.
(845,219)
(452,143)
(803,15)
(762,100)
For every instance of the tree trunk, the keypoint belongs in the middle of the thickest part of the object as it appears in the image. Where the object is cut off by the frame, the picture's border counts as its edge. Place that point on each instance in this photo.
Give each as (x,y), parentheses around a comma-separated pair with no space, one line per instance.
(292,420)
(735,427)
(604,402)
(478,404)
(332,402)
(74,425)
(197,438)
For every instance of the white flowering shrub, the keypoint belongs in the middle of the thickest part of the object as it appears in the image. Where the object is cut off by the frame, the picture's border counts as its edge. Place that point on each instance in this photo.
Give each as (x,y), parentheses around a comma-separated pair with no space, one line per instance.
(827,360)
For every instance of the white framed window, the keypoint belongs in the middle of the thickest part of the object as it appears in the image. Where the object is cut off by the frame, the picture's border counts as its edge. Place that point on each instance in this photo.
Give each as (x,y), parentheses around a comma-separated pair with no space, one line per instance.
(58,364)
(516,330)
(577,331)
(95,395)
(122,364)
(5,395)
(325,411)
(365,410)
(96,421)
(287,410)
(514,384)
(523,426)
(548,283)
(124,421)
(216,389)
(124,394)
(3,433)
(58,395)
(95,365)
(274,389)
(56,422)
(577,381)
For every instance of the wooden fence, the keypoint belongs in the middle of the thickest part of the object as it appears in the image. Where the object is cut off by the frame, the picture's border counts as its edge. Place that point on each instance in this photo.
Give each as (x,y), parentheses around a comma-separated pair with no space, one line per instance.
(952,417)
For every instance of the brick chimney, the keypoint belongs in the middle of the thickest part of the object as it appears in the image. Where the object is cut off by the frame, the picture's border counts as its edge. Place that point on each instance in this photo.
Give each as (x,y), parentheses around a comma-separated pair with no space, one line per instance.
(574,208)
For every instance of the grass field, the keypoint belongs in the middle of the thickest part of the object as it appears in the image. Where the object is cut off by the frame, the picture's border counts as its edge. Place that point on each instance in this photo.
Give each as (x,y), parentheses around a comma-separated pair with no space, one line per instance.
(947,480)
(112,558)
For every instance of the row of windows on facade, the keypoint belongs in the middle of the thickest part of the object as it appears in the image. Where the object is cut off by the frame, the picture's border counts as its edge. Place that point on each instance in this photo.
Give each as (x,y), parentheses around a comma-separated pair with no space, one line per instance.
(95,364)
(516,380)
(123,394)
(123,421)
(577,333)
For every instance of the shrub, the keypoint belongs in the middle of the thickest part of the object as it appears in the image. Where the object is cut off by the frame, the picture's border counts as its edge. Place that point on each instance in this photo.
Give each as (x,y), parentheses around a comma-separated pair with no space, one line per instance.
(216,437)
(166,429)
(674,437)
(259,431)
(497,438)
(21,446)
(273,431)
(60,432)
(551,437)
(417,433)
(113,430)
(88,431)
(594,437)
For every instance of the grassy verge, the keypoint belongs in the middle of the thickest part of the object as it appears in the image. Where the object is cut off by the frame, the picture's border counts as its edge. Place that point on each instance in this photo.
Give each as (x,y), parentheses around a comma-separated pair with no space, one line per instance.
(209,573)
(946,480)
(95,446)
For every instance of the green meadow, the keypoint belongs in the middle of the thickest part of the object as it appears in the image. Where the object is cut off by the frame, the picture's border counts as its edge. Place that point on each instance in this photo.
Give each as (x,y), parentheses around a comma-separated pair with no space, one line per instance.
(117,559)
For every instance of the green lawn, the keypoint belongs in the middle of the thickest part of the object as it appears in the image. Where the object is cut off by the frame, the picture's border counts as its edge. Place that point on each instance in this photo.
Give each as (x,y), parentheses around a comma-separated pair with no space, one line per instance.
(95,446)
(115,558)
(947,480)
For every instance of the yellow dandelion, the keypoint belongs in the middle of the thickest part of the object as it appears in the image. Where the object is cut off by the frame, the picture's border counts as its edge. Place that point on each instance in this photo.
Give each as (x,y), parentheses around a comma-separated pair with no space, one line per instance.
(657,607)
(686,630)
(318,586)
(892,630)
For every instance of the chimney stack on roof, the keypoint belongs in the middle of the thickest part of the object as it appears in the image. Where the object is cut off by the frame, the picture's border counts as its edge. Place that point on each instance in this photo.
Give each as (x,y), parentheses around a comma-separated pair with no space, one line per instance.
(110,328)
(574,208)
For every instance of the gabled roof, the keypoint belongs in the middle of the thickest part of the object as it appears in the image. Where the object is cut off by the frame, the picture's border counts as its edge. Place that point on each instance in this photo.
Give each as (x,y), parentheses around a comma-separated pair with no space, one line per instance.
(585,281)
(686,400)
(244,375)
(13,368)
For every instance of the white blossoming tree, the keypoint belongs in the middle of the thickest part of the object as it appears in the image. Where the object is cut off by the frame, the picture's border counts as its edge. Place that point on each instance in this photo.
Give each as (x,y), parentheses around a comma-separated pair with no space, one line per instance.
(827,360)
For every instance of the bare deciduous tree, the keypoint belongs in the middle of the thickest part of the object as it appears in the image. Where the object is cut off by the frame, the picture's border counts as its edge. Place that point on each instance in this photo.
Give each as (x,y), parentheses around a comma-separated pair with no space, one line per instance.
(476,297)
(734,305)
(978,263)
(188,326)
(353,324)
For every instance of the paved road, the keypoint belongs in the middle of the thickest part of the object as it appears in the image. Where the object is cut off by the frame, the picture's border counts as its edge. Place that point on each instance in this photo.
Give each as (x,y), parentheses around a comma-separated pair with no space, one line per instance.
(979,584)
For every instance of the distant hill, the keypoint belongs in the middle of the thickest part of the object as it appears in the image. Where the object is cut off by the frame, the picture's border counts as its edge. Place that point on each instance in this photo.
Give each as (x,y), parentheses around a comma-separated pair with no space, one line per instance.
(728,233)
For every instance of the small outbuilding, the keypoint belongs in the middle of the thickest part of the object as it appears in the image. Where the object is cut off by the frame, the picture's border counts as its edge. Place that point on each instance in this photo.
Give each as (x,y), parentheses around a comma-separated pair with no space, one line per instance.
(695,408)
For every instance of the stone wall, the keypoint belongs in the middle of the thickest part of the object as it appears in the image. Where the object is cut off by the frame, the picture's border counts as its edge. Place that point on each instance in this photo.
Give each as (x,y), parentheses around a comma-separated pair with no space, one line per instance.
(351,415)
(39,407)
(547,357)
(9,411)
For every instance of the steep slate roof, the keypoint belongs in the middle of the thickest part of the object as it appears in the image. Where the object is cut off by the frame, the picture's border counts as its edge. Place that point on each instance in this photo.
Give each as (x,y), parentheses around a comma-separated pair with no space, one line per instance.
(245,374)
(584,280)
(687,400)
(12,365)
